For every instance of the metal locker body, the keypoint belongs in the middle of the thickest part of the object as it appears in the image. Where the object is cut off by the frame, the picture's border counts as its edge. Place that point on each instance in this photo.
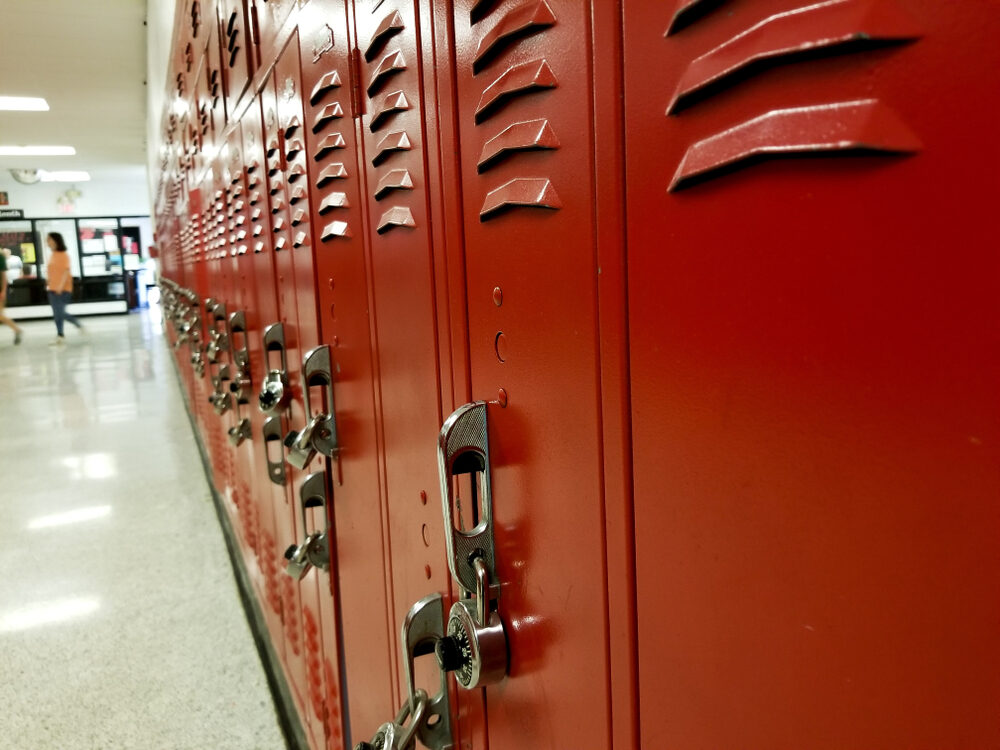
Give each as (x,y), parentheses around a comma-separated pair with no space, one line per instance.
(814,367)
(338,220)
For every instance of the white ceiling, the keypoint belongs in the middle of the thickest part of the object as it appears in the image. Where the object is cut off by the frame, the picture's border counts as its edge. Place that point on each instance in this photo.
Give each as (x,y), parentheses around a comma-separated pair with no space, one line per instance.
(88,59)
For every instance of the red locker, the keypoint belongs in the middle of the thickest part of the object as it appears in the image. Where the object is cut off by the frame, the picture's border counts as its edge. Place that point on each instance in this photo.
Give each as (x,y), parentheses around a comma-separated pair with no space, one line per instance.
(236,43)
(527,149)
(268,486)
(290,188)
(814,403)
(342,299)
(288,524)
(394,135)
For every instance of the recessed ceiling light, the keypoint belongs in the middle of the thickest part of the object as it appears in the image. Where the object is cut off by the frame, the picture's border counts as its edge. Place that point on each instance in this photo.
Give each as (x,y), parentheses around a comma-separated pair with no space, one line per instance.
(23,104)
(37,151)
(64,176)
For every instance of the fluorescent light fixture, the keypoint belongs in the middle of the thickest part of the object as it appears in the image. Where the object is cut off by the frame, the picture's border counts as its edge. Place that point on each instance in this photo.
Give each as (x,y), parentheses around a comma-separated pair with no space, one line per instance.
(72,516)
(23,104)
(37,151)
(45,613)
(66,176)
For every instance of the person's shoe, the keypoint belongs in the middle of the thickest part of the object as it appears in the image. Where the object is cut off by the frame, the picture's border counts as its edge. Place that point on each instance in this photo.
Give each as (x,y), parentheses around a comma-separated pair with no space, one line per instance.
(17,337)
(57,341)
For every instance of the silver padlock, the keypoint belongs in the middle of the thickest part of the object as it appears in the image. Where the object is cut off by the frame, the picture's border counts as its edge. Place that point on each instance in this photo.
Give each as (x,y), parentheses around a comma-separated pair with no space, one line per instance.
(475,648)
(320,432)
(401,732)
(221,402)
(275,393)
(301,450)
(239,432)
(314,551)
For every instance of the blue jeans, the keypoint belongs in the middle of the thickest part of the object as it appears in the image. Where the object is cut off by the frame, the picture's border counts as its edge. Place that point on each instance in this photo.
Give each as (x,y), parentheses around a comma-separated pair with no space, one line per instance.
(59,312)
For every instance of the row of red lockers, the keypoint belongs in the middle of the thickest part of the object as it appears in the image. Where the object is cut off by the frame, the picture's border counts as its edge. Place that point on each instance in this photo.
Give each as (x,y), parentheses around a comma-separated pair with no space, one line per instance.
(743,422)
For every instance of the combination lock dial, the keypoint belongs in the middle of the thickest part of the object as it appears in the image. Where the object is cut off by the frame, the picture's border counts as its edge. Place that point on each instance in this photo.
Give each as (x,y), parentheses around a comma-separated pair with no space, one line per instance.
(475,652)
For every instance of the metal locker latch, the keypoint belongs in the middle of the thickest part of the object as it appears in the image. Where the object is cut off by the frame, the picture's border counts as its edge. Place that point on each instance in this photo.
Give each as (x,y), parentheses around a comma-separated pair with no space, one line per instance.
(421,717)
(475,647)
(315,549)
(241,383)
(221,400)
(239,386)
(240,432)
(274,394)
(271,431)
(218,340)
(320,432)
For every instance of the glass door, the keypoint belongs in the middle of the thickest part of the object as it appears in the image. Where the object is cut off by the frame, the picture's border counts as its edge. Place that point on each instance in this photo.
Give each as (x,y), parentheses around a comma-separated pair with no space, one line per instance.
(101,259)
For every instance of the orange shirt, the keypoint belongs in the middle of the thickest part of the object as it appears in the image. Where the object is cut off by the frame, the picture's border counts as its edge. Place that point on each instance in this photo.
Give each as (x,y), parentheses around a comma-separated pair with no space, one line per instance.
(58,266)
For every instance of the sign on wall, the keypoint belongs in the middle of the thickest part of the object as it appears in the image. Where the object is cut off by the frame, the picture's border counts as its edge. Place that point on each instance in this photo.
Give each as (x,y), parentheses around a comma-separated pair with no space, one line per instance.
(11,213)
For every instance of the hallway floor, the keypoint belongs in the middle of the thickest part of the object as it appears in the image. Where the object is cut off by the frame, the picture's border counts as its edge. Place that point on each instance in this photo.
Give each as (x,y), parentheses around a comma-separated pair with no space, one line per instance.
(120,621)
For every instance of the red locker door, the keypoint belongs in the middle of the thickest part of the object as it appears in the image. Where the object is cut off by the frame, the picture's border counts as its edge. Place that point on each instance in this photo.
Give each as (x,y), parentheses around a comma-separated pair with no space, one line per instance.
(337,203)
(242,398)
(268,17)
(255,271)
(289,526)
(394,130)
(216,300)
(814,362)
(529,201)
(236,44)
(292,182)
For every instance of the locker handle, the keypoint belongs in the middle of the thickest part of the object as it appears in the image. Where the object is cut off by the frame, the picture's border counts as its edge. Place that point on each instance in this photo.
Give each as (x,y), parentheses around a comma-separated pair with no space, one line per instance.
(420,717)
(476,645)
(314,551)
(319,435)
(271,432)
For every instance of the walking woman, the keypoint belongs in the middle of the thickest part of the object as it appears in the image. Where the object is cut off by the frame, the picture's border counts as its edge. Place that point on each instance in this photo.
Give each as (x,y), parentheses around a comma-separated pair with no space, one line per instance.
(60,285)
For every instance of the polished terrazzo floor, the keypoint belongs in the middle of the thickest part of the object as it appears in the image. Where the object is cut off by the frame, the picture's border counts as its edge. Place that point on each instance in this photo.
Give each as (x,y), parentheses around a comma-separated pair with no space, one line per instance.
(120,621)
